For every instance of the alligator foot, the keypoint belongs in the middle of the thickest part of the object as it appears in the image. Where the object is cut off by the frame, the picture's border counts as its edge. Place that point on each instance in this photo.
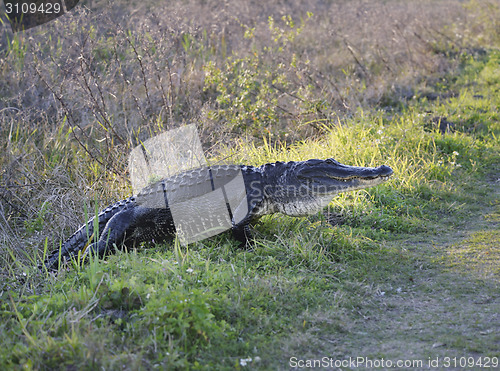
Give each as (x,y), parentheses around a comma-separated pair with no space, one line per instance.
(243,235)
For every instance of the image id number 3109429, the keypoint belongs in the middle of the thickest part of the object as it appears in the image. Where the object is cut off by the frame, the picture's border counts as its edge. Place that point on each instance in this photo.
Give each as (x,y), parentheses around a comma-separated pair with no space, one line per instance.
(32,7)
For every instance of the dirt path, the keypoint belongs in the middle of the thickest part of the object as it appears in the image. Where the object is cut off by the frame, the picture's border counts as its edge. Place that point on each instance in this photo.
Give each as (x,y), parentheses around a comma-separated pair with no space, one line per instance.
(437,306)
(450,305)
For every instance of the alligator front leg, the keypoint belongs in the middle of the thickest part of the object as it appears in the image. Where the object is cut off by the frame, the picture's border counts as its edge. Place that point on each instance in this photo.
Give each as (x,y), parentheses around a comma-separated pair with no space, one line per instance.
(242,234)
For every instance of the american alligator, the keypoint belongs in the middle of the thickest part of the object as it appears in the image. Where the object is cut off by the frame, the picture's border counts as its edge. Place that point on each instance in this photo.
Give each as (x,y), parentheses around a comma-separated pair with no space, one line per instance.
(291,188)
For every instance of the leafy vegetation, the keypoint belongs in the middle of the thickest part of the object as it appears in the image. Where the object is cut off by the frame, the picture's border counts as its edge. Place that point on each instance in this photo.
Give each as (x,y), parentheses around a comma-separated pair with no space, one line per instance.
(411,264)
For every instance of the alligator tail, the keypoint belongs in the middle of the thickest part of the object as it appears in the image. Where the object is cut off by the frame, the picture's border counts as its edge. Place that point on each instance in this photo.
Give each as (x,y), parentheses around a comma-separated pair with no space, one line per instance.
(69,249)
(83,237)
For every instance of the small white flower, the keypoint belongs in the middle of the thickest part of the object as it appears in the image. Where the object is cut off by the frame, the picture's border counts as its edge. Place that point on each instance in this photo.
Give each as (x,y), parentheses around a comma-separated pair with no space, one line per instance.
(190,270)
(455,153)
(244,361)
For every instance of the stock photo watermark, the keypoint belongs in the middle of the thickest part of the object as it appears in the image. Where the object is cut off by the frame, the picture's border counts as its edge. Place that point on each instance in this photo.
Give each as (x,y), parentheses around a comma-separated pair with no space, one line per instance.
(374,363)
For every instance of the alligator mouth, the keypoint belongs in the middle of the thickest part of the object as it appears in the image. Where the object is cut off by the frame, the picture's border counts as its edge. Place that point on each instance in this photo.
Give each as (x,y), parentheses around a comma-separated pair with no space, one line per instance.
(357,173)
(381,177)
(342,178)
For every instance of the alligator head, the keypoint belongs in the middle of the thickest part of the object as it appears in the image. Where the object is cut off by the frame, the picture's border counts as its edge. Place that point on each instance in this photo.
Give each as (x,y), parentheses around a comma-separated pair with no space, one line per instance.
(306,187)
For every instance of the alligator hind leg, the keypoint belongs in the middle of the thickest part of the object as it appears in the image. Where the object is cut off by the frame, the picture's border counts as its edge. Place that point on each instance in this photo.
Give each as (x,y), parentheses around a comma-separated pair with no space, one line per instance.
(114,233)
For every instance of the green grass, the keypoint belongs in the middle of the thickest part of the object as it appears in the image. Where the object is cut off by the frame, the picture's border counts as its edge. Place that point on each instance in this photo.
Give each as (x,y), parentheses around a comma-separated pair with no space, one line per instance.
(405,270)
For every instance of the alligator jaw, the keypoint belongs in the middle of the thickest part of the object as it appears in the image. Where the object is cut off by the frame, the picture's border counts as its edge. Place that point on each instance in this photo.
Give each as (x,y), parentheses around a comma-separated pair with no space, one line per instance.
(329,177)
(337,185)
